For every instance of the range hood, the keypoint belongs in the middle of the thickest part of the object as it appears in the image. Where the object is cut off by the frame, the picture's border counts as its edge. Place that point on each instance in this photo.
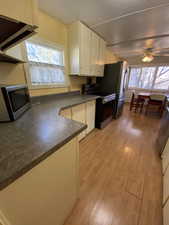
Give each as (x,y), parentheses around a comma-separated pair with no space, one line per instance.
(9,59)
(13,32)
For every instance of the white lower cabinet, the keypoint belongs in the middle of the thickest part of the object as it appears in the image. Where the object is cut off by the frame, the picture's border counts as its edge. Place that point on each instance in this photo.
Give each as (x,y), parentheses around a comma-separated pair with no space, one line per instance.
(84,113)
(78,114)
(90,116)
(47,193)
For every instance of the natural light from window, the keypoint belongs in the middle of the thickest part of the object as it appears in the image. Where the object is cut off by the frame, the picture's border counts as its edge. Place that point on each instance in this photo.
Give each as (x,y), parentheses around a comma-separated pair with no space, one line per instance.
(46,64)
(151,78)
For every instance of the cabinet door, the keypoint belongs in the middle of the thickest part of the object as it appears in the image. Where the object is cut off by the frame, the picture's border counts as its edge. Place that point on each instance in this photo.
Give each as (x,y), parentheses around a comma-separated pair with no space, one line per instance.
(51,187)
(102,48)
(73,36)
(67,113)
(166,214)
(85,39)
(90,116)
(22,10)
(94,54)
(165,157)
(78,114)
(166,185)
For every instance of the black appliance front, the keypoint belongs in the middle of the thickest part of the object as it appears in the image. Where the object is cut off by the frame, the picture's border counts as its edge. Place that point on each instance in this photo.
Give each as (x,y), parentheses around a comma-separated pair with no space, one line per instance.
(18,98)
(15,101)
(118,108)
(104,113)
(114,81)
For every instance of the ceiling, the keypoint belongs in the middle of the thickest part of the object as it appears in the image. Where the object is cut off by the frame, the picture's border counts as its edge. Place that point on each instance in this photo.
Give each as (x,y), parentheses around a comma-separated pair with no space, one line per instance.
(128,26)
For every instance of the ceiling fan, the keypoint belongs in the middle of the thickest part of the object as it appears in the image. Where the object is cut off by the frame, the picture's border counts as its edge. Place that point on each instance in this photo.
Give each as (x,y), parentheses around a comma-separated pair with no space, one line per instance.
(150,53)
(147,47)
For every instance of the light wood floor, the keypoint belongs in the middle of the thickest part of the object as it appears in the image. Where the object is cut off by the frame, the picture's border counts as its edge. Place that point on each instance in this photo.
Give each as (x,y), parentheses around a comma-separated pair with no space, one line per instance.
(120,174)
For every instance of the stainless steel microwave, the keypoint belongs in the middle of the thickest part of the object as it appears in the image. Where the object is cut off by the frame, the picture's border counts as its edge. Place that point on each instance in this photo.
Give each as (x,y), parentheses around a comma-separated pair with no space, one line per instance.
(14,101)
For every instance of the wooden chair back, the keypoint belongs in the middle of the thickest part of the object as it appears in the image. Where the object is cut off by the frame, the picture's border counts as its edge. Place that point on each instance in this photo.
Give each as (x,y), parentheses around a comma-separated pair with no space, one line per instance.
(132,97)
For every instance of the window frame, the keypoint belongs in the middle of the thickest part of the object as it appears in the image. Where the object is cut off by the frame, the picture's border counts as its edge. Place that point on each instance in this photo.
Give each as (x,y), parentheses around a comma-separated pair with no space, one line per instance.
(155,75)
(52,45)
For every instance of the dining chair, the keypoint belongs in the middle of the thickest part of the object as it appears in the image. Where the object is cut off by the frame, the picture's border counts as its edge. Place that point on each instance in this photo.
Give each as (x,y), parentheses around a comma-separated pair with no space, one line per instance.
(136,103)
(158,102)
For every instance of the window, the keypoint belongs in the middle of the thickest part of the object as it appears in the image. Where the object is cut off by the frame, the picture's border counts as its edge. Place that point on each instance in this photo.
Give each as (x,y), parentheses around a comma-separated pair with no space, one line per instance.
(45,64)
(146,78)
(162,78)
(155,77)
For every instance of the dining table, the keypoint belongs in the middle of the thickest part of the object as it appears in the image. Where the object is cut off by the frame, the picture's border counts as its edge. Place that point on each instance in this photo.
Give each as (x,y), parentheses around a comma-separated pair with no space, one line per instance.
(146,95)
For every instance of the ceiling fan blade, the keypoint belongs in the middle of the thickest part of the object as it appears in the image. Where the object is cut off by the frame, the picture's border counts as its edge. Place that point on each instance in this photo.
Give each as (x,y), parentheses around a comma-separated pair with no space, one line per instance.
(162,55)
(163,51)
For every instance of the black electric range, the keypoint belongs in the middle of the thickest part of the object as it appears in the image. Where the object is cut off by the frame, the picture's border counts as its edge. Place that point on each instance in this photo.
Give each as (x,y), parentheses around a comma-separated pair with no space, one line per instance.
(105,105)
(104,109)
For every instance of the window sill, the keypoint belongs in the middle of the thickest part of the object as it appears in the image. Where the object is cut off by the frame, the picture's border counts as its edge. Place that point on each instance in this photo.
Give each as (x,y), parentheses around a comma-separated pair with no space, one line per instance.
(37,87)
(148,90)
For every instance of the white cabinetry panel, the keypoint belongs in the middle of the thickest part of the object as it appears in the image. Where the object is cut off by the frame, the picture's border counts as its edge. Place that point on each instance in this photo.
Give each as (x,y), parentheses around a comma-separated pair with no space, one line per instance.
(85,37)
(21,10)
(84,113)
(102,57)
(90,116)
(78,114)
(86,51)
(94,55)
(51,187)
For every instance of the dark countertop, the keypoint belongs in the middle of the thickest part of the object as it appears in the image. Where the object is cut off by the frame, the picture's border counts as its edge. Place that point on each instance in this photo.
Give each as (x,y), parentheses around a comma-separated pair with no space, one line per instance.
(37,134)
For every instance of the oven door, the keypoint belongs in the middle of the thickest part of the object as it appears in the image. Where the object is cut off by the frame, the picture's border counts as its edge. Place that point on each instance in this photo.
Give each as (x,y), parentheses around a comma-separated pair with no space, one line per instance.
(19,100)
(104,113)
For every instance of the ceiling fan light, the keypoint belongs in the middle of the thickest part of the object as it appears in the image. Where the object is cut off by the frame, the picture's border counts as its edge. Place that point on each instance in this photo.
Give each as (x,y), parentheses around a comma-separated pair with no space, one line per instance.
(147,58)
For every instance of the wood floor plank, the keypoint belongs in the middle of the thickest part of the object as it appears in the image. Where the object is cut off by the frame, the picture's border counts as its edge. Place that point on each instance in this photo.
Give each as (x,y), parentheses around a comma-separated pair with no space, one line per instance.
(120,174)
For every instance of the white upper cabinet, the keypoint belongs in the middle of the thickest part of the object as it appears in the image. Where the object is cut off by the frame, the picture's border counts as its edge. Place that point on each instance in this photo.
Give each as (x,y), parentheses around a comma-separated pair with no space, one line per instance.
(21,10)
(98,48)
(85,37)
(79,49)
(102,57)
(94,54)
(86,51)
